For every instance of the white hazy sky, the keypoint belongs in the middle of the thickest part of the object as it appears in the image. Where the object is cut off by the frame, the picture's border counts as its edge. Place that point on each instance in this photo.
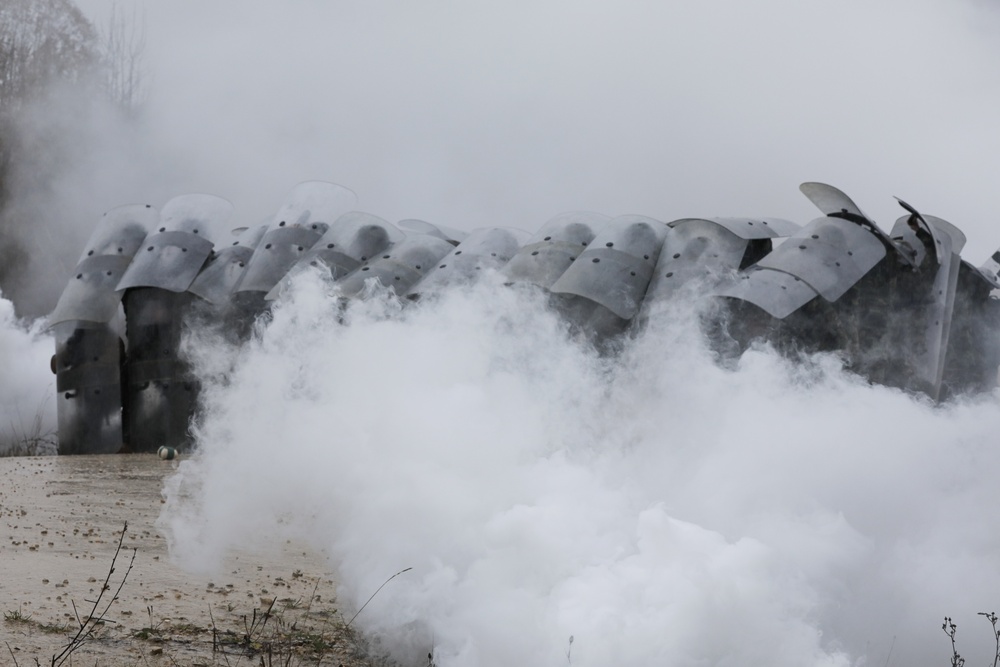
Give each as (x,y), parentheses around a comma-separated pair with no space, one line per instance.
(477,113)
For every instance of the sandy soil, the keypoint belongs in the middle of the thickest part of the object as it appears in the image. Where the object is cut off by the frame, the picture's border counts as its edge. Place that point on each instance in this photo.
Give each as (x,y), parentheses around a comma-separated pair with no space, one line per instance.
(60,522)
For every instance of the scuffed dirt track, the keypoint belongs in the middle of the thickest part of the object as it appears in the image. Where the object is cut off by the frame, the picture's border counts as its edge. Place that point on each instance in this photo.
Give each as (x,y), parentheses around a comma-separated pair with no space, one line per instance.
(60,523)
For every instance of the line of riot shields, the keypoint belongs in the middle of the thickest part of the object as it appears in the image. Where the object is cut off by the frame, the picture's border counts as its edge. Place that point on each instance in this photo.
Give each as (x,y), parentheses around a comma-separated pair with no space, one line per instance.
(902,308)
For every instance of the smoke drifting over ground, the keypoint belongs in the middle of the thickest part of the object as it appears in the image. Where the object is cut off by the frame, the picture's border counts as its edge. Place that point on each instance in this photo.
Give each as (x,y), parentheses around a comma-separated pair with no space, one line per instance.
(659,509)
(27,389)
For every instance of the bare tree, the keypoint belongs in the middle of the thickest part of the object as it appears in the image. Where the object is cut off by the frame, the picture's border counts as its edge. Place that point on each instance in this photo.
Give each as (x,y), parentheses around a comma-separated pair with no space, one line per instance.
(123,43)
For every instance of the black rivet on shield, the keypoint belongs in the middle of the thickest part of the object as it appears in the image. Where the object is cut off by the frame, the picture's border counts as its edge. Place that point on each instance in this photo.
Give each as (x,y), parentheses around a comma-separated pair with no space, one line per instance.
(596,260)
(534,253)
(783,287)
(418,266)
(149,249)
(749,222)
(645,256)
(547,238)
(572,258)
(442,266)
(363,258)
(90,253)
(267,247)
(676,255)
(236,242)
(109,273)
(184,249)
(850,253)
(119,250)
(609,244)
(763,222)
(631,273)
(837,263)
(385,256)
(493,254)
(194,231)
(68,395)
(79,275)
(312,263)
(163,229)
(365,268)
(815,236)
(458,253)
(241,264)
(670,274)
(583,243)
(281,224)
(329,245)
(802,247)
(397,277)
(313,226)
(300,248)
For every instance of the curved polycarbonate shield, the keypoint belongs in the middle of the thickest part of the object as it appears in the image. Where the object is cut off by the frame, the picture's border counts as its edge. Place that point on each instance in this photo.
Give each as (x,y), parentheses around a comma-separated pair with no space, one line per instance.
(830,254)
(310,209)
(172,256)
(400,266)
(354,238)
(614,270)
(278,251)
(694,249)
(831,200)
(750,228)
(554,248)
(777,293)
(121,230)
(222,272)
(949,241)
(449,234)
(90,294)
(88,398)
(313,202)
(482,249)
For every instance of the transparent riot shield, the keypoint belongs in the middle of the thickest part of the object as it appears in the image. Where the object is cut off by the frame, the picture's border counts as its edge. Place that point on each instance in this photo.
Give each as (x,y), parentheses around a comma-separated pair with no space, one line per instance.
(219,276)
(354,238)
(172,255)
(90,295)
(829,254)
(554,248)
(308,212)
(777,293)
(615,268)
(489,248)
(88,387)
(399,267)
(694,249)
(449,234)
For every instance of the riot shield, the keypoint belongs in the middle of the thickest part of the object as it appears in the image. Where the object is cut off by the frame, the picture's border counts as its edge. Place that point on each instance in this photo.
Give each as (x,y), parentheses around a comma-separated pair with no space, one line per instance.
(749,228)
(615,268)
(90,294)
(777,293)
(829,254)
(554,248)
(400,266)
(222,272)
(354,238)
(172,255)
(694,249)
(88,387)
(306,215)
(990,270)
(489,248)
(452,236)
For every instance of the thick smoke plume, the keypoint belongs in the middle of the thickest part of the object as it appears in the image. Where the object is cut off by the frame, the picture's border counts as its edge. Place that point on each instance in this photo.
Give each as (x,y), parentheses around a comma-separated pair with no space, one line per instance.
(659,508)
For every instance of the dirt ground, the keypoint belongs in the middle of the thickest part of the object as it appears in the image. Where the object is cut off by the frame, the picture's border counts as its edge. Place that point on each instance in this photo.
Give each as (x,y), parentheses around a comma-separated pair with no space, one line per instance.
(60,523)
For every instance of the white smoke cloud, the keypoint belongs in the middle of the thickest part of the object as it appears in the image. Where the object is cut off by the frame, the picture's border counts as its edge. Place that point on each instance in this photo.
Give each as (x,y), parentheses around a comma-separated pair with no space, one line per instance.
(27,389)
(659,509)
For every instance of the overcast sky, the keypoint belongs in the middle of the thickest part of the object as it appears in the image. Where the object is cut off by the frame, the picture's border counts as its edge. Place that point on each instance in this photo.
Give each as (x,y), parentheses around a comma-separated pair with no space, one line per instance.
(474,113)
